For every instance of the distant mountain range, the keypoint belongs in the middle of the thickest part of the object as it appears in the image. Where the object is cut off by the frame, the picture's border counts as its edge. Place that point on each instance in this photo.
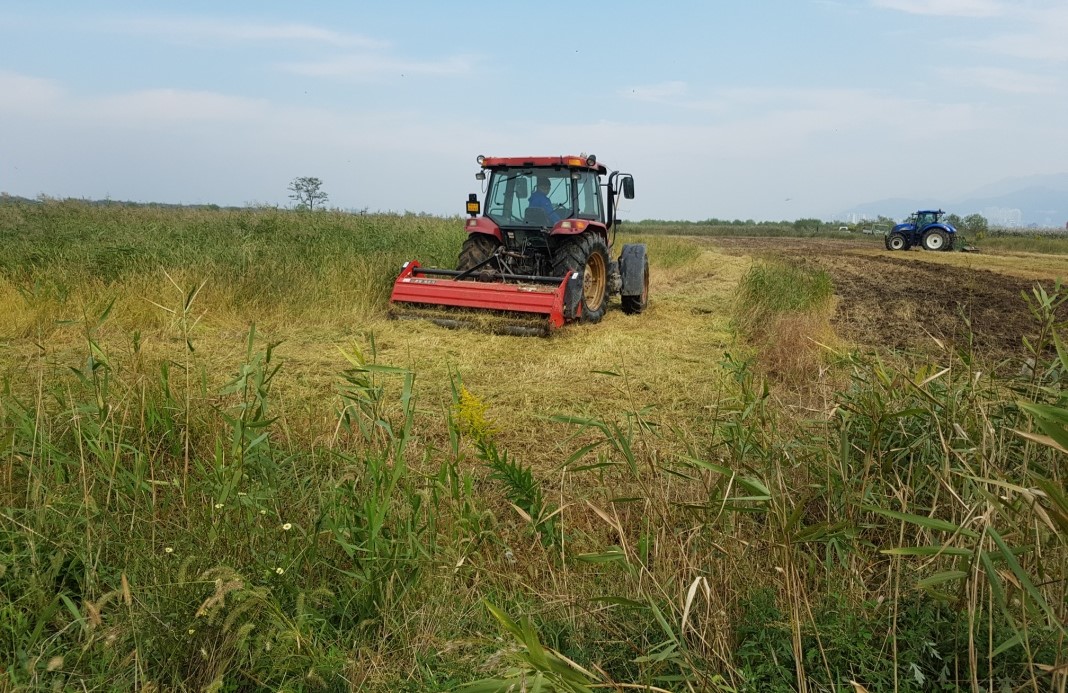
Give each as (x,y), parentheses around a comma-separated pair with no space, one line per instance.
(1014,202)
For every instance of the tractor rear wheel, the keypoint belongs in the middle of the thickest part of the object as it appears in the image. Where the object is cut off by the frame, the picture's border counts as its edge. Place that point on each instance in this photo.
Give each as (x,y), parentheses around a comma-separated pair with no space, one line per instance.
(588,255)
(477,248)
(935,239)
(897,241)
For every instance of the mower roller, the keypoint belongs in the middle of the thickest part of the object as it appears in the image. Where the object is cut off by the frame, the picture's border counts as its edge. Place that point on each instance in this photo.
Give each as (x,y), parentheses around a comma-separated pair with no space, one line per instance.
(540,255)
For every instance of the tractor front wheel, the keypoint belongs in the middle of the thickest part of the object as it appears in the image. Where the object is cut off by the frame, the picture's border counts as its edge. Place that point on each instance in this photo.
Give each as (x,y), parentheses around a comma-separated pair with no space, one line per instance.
(588,255)
(897,241)
(935,239)
(477,248)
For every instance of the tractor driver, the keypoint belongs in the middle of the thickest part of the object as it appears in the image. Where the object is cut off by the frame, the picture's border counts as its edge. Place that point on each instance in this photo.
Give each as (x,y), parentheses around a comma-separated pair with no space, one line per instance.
(539,199)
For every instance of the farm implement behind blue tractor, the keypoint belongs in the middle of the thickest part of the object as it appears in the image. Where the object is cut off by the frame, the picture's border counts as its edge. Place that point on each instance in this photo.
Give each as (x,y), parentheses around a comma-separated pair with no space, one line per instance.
(926,229)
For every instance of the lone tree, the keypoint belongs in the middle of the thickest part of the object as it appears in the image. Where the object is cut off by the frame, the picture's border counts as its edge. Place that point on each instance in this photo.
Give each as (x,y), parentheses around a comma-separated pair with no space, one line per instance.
(976,223)
(306,192)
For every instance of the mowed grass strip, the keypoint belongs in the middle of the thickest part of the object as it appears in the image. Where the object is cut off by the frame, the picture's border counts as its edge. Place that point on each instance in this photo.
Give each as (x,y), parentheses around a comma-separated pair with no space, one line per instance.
(317,284)
(784,311)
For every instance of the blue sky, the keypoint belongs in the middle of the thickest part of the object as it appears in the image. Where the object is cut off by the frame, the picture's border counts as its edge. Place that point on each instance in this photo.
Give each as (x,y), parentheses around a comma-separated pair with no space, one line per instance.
(764,109)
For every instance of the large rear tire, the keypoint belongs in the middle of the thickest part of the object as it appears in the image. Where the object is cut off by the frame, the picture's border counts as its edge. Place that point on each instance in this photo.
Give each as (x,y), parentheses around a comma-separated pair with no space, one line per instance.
(935,239)
(477,248)
(586,254)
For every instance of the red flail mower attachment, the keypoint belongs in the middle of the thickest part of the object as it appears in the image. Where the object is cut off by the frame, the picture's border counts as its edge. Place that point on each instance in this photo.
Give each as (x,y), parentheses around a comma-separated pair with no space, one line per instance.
(509,303)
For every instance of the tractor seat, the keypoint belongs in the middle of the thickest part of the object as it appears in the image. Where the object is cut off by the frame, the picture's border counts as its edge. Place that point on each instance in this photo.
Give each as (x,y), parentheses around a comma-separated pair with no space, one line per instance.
(536,216)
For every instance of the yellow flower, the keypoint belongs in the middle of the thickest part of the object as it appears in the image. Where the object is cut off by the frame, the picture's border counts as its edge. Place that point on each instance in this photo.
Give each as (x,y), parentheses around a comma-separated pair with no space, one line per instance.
(279,570)
(286,527)
(471,417)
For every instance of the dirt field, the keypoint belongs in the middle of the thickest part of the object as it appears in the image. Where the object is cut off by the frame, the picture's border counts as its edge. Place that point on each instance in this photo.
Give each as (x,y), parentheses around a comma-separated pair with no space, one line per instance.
(901,300)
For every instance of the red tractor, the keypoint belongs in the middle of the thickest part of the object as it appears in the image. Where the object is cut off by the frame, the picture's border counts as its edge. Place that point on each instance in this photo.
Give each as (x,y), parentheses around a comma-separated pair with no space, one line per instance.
(540,252)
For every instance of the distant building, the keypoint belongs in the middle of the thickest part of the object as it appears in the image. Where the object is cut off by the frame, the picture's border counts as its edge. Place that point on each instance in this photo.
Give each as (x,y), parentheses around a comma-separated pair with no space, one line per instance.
(1008,217)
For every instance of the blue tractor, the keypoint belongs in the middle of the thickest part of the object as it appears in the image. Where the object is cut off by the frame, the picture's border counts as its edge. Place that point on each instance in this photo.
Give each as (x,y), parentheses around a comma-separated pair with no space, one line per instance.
(925,229)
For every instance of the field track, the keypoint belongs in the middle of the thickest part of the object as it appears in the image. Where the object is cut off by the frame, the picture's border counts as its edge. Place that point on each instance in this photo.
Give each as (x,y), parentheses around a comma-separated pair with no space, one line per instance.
(901,300)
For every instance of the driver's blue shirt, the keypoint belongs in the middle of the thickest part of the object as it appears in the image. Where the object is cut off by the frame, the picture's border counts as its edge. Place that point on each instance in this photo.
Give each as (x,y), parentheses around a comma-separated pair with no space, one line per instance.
(540,200)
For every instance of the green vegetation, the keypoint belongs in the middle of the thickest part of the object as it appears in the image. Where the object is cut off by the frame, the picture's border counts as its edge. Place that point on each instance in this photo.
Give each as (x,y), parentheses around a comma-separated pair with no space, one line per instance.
(182,508)
(772,288)
(802,228)
(268,264)
(1053,244)
(784,310)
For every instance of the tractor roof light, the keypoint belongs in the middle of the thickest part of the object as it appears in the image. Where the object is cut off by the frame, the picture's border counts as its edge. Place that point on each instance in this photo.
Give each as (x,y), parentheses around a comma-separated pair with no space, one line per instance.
(480,158)
(591,160)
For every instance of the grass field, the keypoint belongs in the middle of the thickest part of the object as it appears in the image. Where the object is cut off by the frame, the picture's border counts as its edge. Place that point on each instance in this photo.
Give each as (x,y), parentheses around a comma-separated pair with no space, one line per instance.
(225,469)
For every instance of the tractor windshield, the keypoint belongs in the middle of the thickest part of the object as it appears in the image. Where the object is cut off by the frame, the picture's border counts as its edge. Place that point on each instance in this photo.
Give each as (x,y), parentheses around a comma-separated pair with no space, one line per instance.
(540,197)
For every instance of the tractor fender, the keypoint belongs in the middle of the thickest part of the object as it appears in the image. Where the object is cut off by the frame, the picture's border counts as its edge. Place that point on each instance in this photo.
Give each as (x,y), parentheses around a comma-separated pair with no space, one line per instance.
(573,297)
(632,263)
(943,227)
(568,227)
(484,226)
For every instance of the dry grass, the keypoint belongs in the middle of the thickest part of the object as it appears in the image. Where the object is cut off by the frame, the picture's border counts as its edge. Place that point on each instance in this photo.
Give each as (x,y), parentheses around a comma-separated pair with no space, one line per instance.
(523,380)
(1013,263)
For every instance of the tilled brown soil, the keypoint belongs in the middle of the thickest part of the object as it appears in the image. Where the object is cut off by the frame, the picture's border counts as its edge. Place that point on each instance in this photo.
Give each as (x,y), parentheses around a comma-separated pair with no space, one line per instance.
(900,301)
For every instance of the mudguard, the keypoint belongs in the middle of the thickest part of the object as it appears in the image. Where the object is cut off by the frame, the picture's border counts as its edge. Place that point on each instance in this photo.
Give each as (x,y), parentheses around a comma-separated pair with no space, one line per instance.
(573,297)
(632,263)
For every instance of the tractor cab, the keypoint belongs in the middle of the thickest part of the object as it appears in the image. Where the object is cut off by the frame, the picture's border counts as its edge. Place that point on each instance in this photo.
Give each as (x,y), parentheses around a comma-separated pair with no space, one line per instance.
(928,217)
(534,205)
(539,197)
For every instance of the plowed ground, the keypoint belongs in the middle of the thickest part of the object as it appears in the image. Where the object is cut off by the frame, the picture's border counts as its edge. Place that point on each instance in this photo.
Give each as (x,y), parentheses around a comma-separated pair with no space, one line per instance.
(902,300)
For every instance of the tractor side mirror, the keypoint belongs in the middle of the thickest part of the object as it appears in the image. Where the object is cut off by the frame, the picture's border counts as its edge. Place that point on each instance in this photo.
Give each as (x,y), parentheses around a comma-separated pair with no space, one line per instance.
(628,188)
(521,189)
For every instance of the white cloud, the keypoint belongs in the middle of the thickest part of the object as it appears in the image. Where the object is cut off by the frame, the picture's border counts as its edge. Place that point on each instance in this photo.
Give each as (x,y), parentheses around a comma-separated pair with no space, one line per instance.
(153,106)
(1002,79)
(823,148)
(948,8)
(370,66)
(44,99)
(655,93)
(367,57)
(230,31)
(1042,37)
(24,94)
